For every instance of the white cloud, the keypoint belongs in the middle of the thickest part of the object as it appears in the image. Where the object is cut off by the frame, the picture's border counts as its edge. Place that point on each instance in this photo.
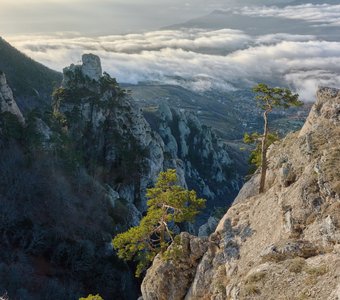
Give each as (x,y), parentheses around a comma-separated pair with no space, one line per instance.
(197,59)
(317,13)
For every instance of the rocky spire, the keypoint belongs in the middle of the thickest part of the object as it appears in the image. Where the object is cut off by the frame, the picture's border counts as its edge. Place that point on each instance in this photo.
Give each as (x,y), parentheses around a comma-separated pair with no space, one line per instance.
(7,102)
(90,68)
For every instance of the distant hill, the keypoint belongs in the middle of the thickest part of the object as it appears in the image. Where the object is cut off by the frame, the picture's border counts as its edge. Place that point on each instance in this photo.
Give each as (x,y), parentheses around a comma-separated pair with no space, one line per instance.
(32,82)
(228,113)
(259,25)
(301,2)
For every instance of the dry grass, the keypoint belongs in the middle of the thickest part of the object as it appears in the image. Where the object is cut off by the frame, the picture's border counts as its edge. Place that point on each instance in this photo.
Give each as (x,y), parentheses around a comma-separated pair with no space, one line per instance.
(317,271)
(296,265)
(256,277)
(251,289)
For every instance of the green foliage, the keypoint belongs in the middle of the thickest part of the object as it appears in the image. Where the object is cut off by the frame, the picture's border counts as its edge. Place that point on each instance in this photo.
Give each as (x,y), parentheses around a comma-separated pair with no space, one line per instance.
(92,297)
(267,99)
(270,97)
(255,155)
(109,83)
(168,203)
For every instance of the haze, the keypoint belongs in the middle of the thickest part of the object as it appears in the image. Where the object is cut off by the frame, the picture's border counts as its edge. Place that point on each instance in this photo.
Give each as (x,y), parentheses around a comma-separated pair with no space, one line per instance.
(93,17)
(231,48)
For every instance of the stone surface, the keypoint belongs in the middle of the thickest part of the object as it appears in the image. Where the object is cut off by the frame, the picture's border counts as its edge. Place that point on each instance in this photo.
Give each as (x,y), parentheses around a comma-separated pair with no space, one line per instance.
(91,66)
(207,166)
(171,280)
(283,243)
(7,102)
(209,227)
(99,113)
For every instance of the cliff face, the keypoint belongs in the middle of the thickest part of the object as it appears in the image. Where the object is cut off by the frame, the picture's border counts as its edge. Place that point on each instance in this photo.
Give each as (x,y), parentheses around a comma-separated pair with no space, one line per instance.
(73,176)
(7,102)
(282,244)
(110,133)
(207,165)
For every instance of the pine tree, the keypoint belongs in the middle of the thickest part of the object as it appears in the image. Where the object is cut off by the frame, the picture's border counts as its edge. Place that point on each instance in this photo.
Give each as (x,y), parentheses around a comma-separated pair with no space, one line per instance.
(168,203)
(269,98)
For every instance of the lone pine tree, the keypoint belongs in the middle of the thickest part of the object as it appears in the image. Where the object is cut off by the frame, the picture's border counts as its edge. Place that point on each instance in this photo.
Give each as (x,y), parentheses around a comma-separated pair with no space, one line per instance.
(269,98)
(168,203)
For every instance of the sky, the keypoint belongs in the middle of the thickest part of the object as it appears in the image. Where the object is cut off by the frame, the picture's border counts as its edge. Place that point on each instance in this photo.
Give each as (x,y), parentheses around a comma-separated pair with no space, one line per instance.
(93,17)
(199,59)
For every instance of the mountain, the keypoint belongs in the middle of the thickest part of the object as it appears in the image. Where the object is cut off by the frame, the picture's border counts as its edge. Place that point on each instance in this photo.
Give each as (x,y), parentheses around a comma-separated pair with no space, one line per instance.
(301,2)
(259,25)
(32,83)
(74,175)
(281,244)
(230,114)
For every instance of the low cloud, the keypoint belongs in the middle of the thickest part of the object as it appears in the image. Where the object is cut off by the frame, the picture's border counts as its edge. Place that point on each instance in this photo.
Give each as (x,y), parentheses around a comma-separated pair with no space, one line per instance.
(321,14)
(199,59)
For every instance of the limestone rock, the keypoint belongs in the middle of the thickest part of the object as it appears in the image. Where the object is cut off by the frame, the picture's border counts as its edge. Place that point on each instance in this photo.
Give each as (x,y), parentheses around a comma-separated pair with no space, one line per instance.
(102,118)
(209,227)
(205,159)
(283,243)
(170,280)
(7,102)
(91,66)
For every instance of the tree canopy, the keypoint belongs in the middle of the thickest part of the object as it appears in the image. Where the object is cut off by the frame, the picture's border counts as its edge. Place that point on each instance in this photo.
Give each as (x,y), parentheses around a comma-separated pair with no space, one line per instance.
(267,99)
(168,203)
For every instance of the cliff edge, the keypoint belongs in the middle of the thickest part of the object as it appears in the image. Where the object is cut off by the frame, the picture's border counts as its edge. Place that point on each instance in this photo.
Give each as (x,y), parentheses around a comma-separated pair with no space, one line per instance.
(282,244)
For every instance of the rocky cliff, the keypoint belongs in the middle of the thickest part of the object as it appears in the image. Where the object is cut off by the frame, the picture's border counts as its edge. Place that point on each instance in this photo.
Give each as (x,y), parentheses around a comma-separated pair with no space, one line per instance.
(130,152)
(282,244)
(7,102)
(206,160)
(74,175)
(109,132)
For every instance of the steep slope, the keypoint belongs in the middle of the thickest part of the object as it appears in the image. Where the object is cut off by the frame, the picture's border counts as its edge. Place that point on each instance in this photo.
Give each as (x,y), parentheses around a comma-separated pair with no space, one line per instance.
(32,83)
(56,218)
(282,244)
(209,165)
(7,102)
(73,176)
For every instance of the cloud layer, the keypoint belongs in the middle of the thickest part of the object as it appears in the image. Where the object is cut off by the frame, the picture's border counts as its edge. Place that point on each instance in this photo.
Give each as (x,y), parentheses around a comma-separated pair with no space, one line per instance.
(322,14)
(201,59)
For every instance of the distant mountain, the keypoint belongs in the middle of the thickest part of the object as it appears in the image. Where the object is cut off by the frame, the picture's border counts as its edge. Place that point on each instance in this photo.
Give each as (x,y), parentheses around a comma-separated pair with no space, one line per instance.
(259,25)
(32,82)
(230,114)
(301,2)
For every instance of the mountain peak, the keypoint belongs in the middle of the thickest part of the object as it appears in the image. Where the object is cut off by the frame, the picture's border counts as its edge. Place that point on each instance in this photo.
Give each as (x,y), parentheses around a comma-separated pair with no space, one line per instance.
(90,68)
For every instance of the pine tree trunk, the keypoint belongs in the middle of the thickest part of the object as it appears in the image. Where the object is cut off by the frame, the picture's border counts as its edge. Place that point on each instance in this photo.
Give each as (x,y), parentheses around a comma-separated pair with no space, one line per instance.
(162,237)
(264,153)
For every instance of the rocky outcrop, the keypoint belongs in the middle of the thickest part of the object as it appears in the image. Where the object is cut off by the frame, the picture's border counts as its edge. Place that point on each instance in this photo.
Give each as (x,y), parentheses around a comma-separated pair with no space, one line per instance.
(7,102)
(172,278)
(131,153)
(284,243)
(208,167)
(110,132)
